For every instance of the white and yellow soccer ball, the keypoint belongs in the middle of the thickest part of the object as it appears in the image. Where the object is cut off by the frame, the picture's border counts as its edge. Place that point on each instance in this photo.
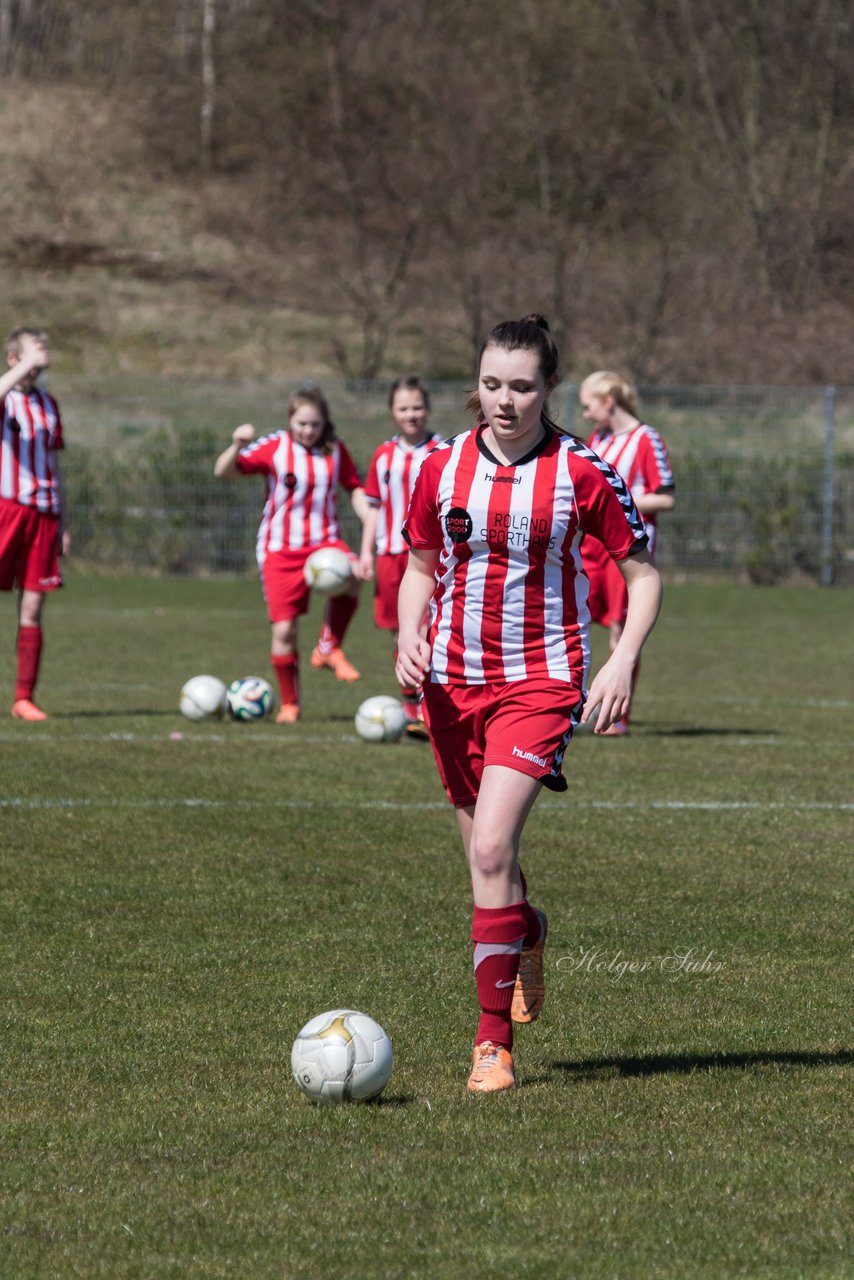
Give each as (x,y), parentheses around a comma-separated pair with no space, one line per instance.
(328,570)
(380,719)
(250,698)
(203,698)
(342,1056)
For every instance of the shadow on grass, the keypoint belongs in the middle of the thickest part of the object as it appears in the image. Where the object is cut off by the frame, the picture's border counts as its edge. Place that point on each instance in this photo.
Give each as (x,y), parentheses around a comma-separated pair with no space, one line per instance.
(110,715)
(703,731)
(689,1063)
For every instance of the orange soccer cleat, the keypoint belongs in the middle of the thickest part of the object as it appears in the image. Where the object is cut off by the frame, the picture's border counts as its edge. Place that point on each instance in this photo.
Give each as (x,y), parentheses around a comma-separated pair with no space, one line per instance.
(23,709)
(288,713)
(337,663)
(619,729)
(417,729)
(529,994)
(492,1069)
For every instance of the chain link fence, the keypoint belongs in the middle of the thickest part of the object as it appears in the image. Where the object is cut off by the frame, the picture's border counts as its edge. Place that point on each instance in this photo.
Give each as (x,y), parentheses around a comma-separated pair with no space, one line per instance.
(764,475)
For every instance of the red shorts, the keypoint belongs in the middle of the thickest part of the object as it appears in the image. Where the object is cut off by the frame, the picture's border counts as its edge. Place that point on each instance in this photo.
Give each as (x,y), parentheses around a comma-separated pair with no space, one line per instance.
(286,592)
(609,597)
(389,575)
(525,725)
(29,548)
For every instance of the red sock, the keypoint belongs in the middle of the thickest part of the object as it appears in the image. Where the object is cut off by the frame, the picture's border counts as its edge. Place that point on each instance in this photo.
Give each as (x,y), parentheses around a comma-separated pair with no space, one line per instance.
(497,933)
(411,704)
(336,620)
(286,667)
(29,658)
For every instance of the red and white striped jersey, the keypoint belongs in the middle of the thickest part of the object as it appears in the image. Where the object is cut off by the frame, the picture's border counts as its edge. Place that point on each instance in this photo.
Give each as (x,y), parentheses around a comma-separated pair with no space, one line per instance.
(31,433)
(391,478)
(302,491)
(640,457)
(511,593)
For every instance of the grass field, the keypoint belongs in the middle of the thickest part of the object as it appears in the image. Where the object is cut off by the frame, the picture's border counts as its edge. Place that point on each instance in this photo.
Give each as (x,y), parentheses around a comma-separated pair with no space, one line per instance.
(173,911)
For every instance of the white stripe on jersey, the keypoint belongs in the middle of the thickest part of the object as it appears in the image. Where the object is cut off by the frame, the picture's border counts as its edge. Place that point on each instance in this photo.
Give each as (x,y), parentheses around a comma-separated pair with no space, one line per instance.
(613,477)
(444,608)
(500,611)
(27,473)
(300,508)
(621,451)
(397,467)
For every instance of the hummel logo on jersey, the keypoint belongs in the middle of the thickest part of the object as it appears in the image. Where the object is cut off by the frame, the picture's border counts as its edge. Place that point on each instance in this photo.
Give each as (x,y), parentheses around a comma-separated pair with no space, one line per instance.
(529,755)
(494,479)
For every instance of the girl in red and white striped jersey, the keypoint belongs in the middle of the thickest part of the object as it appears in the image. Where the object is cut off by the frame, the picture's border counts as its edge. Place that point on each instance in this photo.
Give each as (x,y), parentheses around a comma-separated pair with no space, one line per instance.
(303,465)
(638,453)
(494,528)
(33,533)
(391,478)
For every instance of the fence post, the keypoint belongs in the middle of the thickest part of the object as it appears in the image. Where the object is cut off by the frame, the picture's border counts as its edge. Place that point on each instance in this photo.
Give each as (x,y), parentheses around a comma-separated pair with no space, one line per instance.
(827,496)
(570,407)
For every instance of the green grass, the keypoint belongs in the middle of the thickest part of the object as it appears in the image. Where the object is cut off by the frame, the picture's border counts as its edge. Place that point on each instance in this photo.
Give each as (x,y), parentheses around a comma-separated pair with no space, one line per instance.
(172,911)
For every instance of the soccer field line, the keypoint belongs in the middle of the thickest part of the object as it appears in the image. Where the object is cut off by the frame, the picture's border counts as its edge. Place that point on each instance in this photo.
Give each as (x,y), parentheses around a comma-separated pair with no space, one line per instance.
(204,802)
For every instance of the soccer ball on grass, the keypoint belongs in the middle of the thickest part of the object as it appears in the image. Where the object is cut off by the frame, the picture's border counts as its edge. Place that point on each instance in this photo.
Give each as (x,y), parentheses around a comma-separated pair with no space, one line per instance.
(380,719)
(342,1056)
(203,698)
(328,571)
(250,698)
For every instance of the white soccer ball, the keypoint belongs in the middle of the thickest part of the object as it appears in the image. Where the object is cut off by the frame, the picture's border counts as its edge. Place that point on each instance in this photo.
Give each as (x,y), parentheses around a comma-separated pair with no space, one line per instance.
(329,571)
(380,719)
(590,724)
(203,698)
(342,1056)
(250,698)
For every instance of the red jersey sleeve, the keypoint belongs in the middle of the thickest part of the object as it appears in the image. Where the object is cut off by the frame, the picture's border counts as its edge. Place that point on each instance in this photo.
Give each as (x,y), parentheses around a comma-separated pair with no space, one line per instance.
(654,462)
(348,474)
(606,509)
(257,457)
(372,484)
(422,529)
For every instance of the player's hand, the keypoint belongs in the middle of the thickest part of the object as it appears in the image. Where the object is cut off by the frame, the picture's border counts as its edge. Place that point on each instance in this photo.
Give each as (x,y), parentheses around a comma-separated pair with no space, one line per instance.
(364,568)
(35,355)
(64,542)
(611,692)
(413,660)
(244,434)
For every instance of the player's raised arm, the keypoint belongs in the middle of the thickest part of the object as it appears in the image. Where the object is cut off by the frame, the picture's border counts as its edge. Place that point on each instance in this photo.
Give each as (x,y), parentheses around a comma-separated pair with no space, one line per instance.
(34,356)
(226,464)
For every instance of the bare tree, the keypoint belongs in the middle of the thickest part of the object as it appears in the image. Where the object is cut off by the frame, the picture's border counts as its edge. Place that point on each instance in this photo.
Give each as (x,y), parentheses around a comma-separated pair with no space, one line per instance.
(206,116)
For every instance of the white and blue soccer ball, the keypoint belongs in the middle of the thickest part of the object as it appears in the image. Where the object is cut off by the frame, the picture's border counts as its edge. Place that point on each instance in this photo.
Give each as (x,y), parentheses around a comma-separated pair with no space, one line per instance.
(342,1056)
(203,698)
(380,719)
(250,698)
(328,570)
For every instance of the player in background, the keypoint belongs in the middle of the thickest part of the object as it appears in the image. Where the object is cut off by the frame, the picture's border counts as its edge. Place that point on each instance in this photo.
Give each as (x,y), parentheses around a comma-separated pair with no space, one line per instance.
(494,528)
(639,455)
(33,533)
(391,477)
(303,466)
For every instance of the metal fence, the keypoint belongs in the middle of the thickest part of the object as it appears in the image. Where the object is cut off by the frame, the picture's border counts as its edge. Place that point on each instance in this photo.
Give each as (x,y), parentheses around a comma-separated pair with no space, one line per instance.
(764,475)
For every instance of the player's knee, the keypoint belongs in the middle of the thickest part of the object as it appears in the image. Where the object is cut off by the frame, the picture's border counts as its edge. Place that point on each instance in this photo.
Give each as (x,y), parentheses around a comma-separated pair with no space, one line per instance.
(490,855)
